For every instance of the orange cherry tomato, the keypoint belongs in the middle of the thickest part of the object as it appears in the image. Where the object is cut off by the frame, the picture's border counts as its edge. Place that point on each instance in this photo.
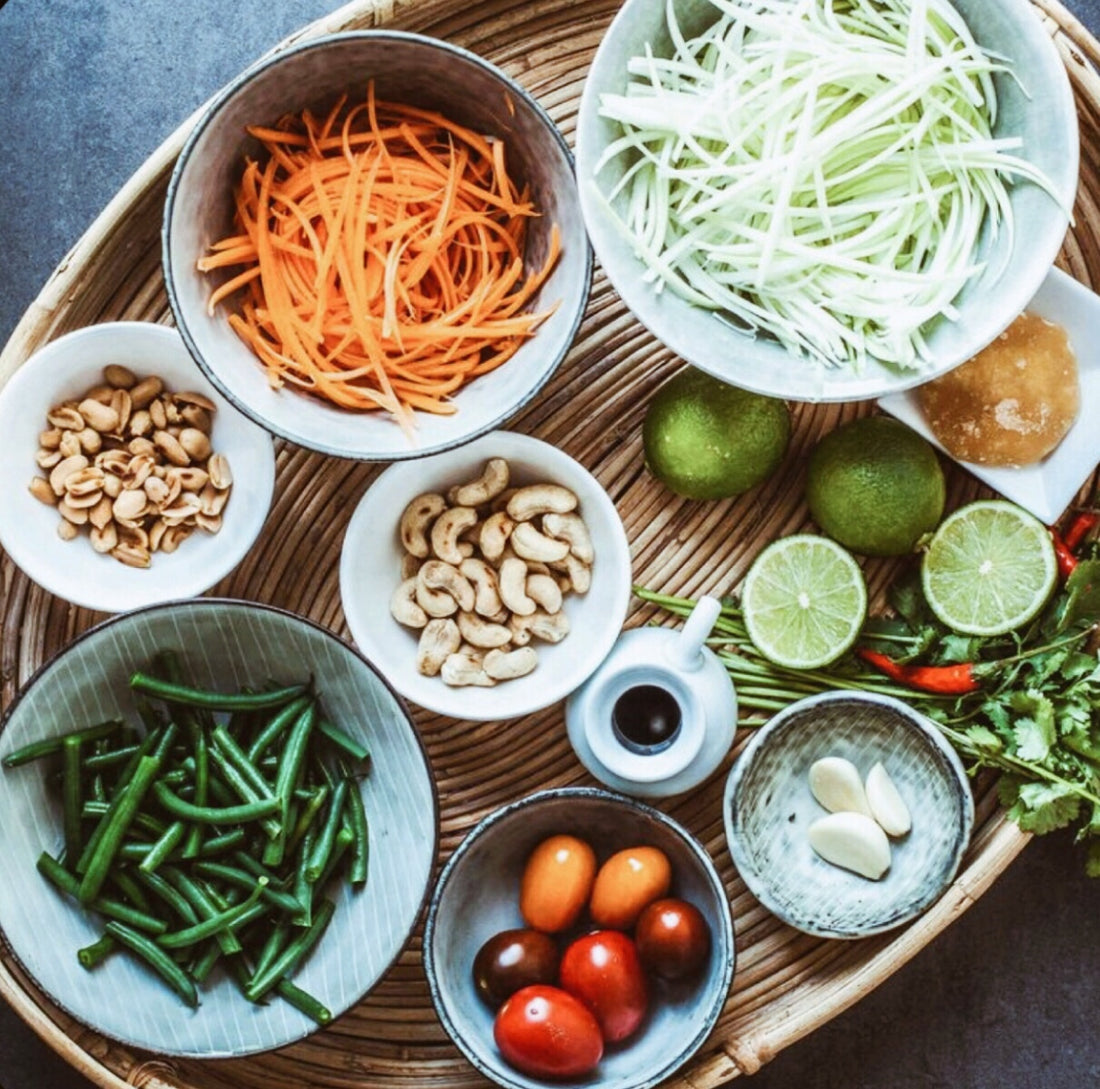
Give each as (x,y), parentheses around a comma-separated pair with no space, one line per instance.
(557,881)
(627,882)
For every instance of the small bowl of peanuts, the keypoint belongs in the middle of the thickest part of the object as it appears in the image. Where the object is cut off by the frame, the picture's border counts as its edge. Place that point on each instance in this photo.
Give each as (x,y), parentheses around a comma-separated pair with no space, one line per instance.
(128,480)
(487,582)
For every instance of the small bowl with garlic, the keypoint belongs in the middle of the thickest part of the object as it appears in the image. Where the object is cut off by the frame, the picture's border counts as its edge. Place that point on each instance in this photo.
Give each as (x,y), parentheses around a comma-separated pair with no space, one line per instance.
(128,480)
(487,582)
(848,814)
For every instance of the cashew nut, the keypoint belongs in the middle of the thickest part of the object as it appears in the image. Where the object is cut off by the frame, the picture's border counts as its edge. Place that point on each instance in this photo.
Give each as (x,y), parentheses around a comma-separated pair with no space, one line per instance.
(435,575)
(549,628)
(445,533)
(495,531)
(531,543)
(459,670)
(544,592)
(505,665)
(536,499)
(415,520)
(404,608)
(483,489)
(579,574)
(513,587)
(481,632)
(484,581)
(438,640)
(571,529)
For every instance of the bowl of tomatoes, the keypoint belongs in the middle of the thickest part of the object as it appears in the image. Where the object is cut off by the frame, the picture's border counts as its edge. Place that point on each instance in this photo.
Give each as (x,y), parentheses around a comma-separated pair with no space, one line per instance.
(579,935)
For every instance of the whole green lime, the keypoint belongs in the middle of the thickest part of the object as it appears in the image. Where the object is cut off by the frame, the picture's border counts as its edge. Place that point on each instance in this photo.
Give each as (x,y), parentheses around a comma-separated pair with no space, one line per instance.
(875,486)
(705,439)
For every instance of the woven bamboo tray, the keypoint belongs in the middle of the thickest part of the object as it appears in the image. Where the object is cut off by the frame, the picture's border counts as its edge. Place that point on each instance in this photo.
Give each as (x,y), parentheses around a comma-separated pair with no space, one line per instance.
(787,984)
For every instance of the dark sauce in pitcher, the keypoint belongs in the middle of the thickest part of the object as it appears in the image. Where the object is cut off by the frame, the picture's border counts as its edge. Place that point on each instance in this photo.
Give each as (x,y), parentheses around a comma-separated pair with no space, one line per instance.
(646,719)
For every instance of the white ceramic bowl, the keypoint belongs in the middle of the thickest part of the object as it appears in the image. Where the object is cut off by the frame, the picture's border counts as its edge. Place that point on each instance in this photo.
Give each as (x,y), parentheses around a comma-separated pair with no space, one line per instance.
(768,807)
(1040,109)
(370,564)
(477,895)
(73,570)
(409,68)
(224,645)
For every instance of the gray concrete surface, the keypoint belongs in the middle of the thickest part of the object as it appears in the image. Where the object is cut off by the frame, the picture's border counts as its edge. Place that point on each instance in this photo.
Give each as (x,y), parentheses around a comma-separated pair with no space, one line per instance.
(89,88)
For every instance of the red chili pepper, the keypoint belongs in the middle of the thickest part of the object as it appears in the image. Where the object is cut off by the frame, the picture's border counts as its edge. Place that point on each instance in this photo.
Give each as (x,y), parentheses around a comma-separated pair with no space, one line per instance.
(1067,561)
(948,680)
(1075,534)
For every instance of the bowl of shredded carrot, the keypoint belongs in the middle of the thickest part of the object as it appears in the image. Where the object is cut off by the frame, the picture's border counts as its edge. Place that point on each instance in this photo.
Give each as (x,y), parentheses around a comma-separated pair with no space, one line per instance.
(373,245)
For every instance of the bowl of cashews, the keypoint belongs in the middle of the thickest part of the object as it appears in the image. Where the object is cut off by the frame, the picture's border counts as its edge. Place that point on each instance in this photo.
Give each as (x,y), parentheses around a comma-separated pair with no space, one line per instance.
(487,582)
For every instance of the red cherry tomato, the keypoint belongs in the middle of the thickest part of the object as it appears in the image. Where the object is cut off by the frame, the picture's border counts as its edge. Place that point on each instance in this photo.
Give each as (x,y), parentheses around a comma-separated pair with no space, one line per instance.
(673,938)
(603,970)
(546,1033)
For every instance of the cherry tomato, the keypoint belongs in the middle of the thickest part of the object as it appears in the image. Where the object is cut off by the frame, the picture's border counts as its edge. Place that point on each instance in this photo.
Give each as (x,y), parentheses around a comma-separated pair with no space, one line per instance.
(673,938)
(547,1033)
(513,959)
(626,883)
(556,883)
(602,969)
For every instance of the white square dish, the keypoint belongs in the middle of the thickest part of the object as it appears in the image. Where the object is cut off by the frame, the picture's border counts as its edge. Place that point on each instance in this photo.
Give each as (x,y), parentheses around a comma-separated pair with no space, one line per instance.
(1047,487)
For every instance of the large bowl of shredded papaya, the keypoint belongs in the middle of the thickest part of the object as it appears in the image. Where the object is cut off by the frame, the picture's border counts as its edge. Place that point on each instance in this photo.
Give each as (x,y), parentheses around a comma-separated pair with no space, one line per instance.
(373,245)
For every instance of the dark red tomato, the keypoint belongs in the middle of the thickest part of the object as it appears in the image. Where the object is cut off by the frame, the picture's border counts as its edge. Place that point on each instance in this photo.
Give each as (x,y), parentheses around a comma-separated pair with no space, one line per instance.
(513,959)
(673,938)
(546,1033)
(603,970)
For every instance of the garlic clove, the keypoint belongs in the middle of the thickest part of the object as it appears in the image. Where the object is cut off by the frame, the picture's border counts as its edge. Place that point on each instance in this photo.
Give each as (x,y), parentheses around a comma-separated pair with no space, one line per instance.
(887,805)
(836,784)
(852,841)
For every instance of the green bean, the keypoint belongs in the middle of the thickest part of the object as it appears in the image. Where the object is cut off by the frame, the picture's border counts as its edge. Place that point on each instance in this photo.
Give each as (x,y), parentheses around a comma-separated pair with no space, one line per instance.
(227,841)
(158,960)
(214,924)
(357,818)
(166,843)
(49,745)
(213,701)
(303,1001)
(322,848)
(199,898)
(115,824)
(242,788)
(294,953)
(303,893)
(61,878)
(228,747)
(231,875)
(274,944)
(71,795)
(275,727)
(343,740)
(293,757)
(313,805)
(200,749)
(123,880)
(169,894)
(230,814)
(344,839)
(92,955)
(102,761)
(203,965)
(145,821)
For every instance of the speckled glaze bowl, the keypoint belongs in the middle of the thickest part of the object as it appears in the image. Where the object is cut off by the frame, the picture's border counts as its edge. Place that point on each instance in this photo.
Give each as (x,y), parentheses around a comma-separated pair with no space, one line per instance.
(477,895)
(768,807)
(410,68)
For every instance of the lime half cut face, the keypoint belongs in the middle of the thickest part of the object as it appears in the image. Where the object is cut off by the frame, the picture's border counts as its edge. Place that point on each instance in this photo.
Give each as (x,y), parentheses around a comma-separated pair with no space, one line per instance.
(989,568)
(804,601)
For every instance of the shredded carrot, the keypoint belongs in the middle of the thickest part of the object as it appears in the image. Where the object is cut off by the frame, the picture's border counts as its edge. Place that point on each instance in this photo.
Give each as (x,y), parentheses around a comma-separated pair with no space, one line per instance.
(378,259)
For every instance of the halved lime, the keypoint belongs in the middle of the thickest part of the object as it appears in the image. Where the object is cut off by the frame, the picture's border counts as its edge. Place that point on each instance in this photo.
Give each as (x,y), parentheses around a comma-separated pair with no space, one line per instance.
(804,600)
(989,568)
